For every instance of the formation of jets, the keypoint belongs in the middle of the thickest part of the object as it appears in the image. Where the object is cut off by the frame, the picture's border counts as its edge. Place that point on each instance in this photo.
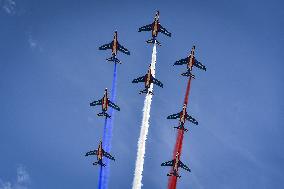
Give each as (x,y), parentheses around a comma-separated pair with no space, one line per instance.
(175,164)
(190,61)
(155,28)
(182,117)
(100,153)
(114,46)
(148,79)
(105,103)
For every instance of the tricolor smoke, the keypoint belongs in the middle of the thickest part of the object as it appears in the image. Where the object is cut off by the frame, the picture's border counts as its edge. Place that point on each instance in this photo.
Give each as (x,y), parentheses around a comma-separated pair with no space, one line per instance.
(137,181)
(104,171)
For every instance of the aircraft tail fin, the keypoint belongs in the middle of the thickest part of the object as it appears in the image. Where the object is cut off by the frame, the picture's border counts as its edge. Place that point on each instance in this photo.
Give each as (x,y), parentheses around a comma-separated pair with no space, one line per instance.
(104,114)
(114,59)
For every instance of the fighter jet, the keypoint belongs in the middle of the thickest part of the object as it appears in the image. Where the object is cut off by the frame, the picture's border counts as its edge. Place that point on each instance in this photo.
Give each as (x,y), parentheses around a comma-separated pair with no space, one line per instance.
(105,102)
(182,117)
(100,153)
(148,79)
(190,61)
(114,46)
(155,27)
(175,163)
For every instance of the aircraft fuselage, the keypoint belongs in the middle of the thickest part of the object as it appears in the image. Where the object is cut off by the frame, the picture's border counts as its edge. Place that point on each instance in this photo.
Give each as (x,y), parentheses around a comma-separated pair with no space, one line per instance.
(191,59)
(183,115)
(155,29)
(105,102)
(115,45)
(156,24)
(100,152)
(148,78)
(175,167)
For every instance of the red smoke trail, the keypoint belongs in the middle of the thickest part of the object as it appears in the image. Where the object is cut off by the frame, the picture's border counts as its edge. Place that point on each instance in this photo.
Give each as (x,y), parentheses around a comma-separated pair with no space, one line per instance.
(172,182)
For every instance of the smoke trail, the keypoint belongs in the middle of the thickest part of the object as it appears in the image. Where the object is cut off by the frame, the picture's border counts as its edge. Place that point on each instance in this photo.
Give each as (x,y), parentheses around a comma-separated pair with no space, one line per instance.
(137,181)
(172,182)
(104,171)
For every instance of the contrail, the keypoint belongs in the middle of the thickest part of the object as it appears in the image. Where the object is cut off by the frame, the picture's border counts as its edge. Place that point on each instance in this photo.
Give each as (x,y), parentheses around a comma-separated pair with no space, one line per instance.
(104,171)
(172,181)
(137,181)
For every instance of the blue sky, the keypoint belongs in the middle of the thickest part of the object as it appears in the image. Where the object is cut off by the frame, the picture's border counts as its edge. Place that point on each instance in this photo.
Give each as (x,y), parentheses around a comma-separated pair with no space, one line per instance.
(51,69)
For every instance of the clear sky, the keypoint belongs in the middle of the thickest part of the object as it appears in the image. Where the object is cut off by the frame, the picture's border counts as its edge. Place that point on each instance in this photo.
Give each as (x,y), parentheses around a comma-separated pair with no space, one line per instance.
(51,69)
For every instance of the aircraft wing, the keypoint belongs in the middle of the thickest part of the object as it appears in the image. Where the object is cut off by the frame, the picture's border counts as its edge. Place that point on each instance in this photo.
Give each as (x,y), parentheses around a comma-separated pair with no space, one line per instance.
(168,163)
(107,155)
(164,31)
(123,49)
(113,105)
(181,61)
(95,103)
(157,82)
(199,65)
(106,46)
(95,152)
(145,28)
(139,79)
(183,166)
(174,116)
(191,119)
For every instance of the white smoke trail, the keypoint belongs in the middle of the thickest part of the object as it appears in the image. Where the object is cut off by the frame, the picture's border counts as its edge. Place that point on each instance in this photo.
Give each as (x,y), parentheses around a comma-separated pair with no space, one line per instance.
(137,181)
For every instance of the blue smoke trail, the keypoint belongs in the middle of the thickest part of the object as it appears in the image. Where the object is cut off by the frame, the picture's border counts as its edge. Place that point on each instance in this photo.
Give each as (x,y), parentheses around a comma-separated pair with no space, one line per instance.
(104,171)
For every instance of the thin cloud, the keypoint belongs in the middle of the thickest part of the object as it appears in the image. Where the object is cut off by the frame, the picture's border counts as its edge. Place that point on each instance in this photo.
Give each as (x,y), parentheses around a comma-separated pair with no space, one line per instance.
(22,181)
(33,43)
(22,175)
(9,6)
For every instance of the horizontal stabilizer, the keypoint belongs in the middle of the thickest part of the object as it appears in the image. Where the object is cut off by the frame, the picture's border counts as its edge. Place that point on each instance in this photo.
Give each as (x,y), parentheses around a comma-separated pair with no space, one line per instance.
(114,59)
(188,74)
(146,91)
(172,174)
(181,128)
(104,114)
(99,163)
(153,41)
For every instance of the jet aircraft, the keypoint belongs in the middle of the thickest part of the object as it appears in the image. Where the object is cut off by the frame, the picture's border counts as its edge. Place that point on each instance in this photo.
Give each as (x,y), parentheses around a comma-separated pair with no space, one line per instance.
(105,102)
(148,79)
(175,163)
(155,27)
(100,153)
(114,46)
(190,61)
(183,116)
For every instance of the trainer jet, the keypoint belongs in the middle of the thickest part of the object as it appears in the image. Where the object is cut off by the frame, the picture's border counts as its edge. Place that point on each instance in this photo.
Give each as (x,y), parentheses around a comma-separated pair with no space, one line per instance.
(190,61)
(155,27)
(175,163)
(182,117)
(105,102)
(100,153)
(114,46)
(148,79)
